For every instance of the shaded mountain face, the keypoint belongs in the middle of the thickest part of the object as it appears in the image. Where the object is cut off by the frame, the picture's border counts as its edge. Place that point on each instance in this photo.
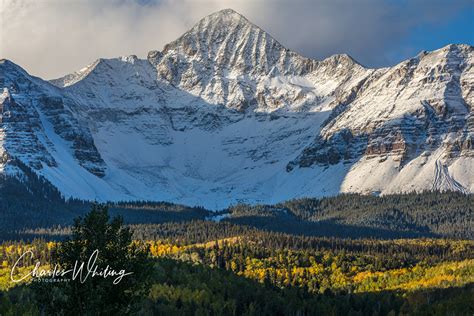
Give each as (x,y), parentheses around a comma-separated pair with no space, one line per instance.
(226,114)
(37,120)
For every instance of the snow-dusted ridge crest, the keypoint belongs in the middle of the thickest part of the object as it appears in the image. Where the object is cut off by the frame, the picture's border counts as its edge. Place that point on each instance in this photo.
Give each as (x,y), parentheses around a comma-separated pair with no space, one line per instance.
(226,114)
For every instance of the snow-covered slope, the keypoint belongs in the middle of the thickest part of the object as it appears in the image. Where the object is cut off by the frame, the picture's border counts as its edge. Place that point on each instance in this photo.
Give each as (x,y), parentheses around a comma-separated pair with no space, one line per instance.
(405,126)
(226,114)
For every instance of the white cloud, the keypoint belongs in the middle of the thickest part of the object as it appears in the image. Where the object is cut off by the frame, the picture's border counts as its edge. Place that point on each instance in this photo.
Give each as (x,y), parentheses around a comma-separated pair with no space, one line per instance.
(53,37)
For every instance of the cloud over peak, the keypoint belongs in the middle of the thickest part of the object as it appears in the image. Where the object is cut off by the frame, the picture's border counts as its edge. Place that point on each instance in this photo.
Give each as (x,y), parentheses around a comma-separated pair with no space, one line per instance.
(55,37)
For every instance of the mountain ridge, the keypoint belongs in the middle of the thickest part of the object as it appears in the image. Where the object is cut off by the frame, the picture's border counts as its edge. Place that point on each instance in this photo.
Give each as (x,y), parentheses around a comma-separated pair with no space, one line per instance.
(220,117)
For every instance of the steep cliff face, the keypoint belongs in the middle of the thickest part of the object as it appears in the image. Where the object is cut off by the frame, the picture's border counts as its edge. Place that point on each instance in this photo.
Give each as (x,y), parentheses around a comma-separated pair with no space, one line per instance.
(225,59)
(33,111)
(413,108)
(226,114)
(417,111)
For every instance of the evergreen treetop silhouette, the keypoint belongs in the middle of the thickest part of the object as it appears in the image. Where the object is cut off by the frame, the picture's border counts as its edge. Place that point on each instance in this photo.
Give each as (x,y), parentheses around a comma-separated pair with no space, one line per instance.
(112,241)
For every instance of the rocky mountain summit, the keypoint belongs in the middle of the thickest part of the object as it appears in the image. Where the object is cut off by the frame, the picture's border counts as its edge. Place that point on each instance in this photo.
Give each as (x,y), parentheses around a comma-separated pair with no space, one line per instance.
(226,114)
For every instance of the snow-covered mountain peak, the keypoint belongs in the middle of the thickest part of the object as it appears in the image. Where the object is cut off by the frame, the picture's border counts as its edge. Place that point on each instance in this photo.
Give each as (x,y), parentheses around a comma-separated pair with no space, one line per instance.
(9,69)
(18,81)
(451,51)
(77,76)
(222,18)
(101,65)
(226,60)
(7,63)
(226,40)
(218,25)
(226,114)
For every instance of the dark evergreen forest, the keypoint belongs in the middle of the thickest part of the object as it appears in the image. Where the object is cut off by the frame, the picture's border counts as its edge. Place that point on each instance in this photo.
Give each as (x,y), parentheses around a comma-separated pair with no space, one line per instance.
(35,207)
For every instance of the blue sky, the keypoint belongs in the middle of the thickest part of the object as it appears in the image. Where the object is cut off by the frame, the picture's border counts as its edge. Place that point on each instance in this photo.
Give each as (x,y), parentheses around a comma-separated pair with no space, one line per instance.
(458,28)
(55,37)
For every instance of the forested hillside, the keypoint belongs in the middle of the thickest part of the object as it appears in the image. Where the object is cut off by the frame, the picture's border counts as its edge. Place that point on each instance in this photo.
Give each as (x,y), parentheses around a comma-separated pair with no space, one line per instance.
(262,273)
(34,207)
(400,215)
